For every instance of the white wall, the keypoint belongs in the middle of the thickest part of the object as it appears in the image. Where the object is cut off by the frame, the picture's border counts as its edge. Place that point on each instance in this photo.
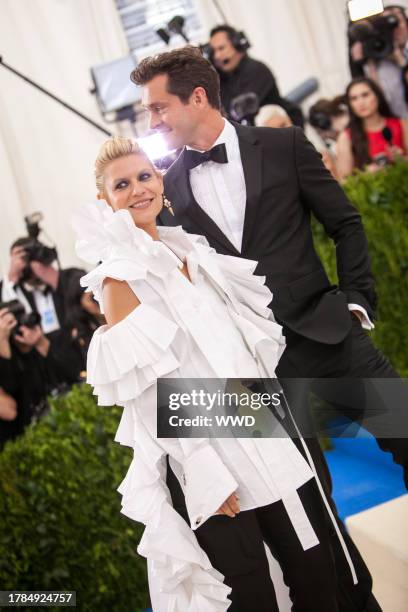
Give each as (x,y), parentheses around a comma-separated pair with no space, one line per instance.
(46,153)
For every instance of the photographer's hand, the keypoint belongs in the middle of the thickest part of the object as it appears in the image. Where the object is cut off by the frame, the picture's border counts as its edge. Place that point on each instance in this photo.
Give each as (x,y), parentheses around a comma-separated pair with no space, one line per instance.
(398,57)
(33,337)
(356,51)
(18,261)
(7,322)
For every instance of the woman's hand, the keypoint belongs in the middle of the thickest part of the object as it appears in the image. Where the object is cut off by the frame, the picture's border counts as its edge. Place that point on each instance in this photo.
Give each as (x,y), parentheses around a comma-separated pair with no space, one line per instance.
(373,167)
(394,152)
(230,507)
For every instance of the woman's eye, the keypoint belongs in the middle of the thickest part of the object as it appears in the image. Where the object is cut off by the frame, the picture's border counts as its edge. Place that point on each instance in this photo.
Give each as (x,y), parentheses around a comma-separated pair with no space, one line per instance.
(121,184)
(145,176)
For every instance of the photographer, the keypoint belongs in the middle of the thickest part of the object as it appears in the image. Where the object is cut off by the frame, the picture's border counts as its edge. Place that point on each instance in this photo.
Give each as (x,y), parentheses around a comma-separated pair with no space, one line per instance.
(378,49)
(240,74)
(329,118)
(30,367)
(38,285)
(374,137)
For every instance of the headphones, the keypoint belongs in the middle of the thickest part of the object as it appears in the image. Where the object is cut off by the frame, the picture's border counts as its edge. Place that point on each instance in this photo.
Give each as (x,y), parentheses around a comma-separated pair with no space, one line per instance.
(238,39)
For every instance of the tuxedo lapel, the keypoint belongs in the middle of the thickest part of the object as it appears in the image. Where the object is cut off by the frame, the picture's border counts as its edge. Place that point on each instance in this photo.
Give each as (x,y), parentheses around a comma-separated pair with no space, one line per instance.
(251,156)
(186,203)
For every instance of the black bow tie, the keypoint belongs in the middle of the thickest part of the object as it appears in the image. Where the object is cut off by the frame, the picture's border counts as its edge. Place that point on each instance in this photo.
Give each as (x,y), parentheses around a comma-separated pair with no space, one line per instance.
(218,154)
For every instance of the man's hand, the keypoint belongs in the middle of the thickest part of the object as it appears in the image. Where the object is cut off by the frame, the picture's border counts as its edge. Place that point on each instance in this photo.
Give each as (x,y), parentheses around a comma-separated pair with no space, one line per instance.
(47,274)
(398,57)
(230,507)
(7,322)
(33,337)
(18,261)
(356,51)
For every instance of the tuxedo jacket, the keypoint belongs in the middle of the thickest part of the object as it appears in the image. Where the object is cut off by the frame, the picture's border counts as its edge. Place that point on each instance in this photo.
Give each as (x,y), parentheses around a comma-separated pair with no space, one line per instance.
(286,182)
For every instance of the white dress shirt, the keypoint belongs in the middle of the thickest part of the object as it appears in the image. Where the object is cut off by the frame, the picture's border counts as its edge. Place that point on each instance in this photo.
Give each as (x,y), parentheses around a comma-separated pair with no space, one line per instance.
(220,189)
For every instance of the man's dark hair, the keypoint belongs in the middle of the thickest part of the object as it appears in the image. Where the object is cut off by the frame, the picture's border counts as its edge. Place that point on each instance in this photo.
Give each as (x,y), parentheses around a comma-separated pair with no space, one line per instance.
(186,69)
(229,31)
(21,242)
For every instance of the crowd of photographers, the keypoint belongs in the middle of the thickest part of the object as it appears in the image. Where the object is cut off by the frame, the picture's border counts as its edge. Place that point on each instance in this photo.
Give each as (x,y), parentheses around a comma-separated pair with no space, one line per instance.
(366,127)
(46,323)
(47,320)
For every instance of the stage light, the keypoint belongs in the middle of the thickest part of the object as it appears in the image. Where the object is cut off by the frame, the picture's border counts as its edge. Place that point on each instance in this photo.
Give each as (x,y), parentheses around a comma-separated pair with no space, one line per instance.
(154,146)
(359,9)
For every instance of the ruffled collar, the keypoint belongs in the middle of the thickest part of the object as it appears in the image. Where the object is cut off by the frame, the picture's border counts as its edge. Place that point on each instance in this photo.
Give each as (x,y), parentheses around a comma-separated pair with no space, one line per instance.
(102,232)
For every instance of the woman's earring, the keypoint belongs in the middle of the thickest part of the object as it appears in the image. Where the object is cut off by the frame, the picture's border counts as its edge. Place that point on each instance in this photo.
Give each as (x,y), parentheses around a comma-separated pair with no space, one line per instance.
(167,204)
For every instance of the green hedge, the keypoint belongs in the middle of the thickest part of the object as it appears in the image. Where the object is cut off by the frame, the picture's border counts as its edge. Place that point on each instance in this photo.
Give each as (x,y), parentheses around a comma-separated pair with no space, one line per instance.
(382,200)
(60,521)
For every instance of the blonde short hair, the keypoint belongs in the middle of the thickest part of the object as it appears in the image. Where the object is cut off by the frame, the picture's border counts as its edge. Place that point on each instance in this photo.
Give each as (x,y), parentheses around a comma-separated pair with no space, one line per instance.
(112,149)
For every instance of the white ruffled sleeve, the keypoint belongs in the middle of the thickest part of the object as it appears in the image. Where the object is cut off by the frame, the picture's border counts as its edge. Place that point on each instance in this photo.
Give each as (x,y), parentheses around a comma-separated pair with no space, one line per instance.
(126,359)
(251,312)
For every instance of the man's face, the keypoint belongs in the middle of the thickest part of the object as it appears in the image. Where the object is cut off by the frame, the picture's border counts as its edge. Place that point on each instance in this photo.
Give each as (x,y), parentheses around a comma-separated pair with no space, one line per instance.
(226,57)
(175,121)
(400,33)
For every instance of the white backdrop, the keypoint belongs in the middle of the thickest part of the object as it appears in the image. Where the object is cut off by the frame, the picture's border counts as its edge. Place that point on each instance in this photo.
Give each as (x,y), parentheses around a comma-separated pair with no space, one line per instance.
(46,153)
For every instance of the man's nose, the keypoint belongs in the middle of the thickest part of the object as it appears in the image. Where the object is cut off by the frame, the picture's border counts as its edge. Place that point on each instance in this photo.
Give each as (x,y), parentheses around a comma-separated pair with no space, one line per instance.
(154,121)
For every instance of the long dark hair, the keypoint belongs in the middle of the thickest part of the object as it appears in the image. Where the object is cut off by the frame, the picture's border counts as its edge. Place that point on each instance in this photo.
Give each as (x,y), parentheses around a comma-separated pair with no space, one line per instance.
(359,140)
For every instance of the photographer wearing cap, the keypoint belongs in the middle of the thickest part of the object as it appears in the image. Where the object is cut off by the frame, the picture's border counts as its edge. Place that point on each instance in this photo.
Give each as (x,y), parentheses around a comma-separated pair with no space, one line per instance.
(241,74)
(378,49)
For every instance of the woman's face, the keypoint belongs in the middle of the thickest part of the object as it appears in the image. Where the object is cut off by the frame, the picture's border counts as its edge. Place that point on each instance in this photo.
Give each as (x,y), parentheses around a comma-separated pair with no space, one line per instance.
(131,183)
(363,100)
(89,304)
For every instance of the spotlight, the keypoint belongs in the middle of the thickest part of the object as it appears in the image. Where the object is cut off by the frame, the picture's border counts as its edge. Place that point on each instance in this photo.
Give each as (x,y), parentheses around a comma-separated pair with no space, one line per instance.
(154,146)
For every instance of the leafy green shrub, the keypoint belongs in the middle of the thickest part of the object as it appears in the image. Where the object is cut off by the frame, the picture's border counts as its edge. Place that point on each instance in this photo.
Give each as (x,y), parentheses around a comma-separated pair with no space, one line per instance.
(61,526)
(382,200)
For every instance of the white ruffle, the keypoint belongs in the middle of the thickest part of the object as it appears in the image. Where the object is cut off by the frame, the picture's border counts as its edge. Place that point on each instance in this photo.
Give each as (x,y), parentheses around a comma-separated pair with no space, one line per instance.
(180,567)
(126,359)
(248,288)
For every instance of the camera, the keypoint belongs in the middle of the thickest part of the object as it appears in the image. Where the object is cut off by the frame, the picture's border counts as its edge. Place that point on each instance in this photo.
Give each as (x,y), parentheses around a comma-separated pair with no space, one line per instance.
(16,308)
(376,35)
(36,250)
(244,106)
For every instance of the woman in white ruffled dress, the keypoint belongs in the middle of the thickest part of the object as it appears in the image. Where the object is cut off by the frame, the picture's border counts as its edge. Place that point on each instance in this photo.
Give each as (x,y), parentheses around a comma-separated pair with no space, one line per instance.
(175,308)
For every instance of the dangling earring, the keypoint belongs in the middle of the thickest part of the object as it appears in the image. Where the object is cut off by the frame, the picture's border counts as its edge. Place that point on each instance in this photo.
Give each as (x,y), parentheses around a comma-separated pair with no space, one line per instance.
(167,204)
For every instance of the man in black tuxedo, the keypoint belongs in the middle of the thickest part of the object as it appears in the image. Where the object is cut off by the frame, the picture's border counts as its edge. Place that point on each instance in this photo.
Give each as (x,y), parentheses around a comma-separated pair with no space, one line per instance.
(251,192)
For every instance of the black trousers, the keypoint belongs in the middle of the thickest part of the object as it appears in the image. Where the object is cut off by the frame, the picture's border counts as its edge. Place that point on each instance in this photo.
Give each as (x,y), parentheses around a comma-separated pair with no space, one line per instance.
(235,546)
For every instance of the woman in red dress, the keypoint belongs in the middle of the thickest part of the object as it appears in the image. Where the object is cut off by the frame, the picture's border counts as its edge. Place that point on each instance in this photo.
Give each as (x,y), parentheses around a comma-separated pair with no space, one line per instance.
(374,137)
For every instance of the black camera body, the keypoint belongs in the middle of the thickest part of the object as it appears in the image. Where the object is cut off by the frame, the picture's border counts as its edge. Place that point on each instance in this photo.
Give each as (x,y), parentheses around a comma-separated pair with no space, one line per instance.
(37,251)
(376,35)
(16,308)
